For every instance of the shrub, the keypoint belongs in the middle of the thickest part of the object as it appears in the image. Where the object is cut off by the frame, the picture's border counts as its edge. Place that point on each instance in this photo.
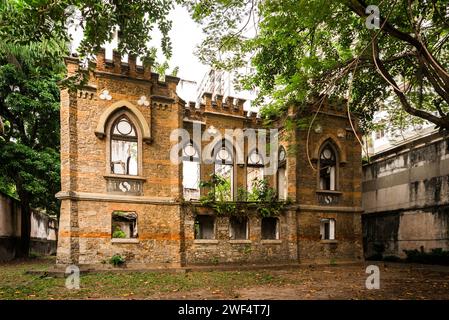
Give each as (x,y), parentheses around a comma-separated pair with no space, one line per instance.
(118,233)
(375,257)
(435,256)
(392,258)
(117,260)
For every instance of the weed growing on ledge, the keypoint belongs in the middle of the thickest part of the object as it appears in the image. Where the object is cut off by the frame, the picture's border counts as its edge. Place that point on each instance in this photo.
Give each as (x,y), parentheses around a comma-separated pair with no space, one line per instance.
(262,199)
(117,260)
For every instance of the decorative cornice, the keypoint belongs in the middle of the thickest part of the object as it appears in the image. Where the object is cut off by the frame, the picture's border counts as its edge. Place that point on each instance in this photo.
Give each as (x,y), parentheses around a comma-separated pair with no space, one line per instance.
(87,196)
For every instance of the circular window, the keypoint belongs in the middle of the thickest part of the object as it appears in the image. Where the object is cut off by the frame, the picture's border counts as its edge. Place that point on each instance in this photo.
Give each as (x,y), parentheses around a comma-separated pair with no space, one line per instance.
(255,158)
(327,154)
(190,150)
(223,154)
(124,127)
(282,155)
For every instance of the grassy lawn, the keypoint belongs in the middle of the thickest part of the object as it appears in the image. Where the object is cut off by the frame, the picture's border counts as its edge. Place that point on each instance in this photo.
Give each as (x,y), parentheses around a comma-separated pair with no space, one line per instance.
(16,284)
(397,281)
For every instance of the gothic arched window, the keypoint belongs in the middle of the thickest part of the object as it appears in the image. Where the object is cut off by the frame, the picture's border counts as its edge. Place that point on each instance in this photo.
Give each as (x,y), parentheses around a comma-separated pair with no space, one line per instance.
(328,168)
(124,147)
(254,169)
(191,172)
(224,168)
(282,174)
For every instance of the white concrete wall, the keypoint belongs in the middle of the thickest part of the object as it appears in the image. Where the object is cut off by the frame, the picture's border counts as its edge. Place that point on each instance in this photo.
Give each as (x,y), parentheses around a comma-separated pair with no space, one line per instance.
(9,217)
(42,227)
(410,187)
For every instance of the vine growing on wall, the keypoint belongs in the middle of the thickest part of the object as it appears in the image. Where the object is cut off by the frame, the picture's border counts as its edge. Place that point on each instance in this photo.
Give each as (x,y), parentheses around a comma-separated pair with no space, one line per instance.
(261,199)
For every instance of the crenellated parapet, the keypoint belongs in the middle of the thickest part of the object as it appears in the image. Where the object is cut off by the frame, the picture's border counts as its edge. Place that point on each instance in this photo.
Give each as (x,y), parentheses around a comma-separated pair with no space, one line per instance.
(217,106)
(225,105)
(123,68)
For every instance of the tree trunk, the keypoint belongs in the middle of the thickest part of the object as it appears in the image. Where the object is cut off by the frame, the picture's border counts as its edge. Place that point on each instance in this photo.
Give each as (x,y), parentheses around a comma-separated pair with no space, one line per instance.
(25,228)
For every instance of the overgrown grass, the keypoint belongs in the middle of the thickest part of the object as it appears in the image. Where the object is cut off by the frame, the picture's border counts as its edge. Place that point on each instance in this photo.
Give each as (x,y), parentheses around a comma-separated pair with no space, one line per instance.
(15,284)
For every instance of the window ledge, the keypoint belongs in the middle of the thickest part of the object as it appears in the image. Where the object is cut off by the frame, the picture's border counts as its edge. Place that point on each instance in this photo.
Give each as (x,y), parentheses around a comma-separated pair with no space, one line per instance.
(124,240)
(205,241)
(329,241)
(329,191)
(239,241)
(271,241)
(124,176)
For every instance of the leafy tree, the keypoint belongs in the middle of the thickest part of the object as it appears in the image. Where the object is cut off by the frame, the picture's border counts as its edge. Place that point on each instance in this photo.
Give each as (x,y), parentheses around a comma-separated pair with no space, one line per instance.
(34,38)
(29,148)
(27,21)
(300,48)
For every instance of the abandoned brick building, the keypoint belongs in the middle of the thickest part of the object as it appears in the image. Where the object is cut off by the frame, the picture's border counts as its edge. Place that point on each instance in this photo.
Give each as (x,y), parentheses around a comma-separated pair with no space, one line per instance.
(122,194)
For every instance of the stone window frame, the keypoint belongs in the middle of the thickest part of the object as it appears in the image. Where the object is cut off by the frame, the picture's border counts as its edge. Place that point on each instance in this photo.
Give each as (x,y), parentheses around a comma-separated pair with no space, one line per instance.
(278,229)
(109,127)
(132,239)
(282,164)
(329,144)
(247,235)
(332,229)
(199,240)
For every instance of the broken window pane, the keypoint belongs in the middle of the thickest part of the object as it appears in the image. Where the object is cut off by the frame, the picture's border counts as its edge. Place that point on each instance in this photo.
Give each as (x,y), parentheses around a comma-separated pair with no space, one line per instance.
(204,227)
(270,228)
(124,224)
(238,228)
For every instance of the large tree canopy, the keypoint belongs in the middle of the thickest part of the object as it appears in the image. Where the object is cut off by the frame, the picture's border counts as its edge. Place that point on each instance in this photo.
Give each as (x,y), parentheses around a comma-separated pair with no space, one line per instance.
(303,47)
(27,21)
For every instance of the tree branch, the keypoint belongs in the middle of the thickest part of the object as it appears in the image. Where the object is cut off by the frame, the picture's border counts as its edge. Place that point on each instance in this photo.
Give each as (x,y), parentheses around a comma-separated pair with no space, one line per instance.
(402,98)
(359,7)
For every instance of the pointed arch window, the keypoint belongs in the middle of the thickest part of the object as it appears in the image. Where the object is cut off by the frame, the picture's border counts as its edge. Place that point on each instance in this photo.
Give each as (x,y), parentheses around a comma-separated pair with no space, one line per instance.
(224,168)
(124,147)
(254,169)
(282,174)
(191,172)
(328,168)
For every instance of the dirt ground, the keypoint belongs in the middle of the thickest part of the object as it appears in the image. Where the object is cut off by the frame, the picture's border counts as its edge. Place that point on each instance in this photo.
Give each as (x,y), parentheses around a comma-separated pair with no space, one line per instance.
(397,281)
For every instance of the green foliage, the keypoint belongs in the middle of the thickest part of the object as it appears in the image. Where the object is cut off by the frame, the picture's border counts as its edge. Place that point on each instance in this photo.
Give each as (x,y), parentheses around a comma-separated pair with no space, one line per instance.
(117,260)
(392,258)
(301,48)
(262,199)
(118,233)
(375,257)
(162,70)
(219,195)
(29,105)
(435,256)
(27,21)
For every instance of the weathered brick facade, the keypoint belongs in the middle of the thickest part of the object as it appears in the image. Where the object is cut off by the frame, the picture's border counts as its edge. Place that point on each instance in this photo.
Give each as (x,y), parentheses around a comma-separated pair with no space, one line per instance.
(166,225)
